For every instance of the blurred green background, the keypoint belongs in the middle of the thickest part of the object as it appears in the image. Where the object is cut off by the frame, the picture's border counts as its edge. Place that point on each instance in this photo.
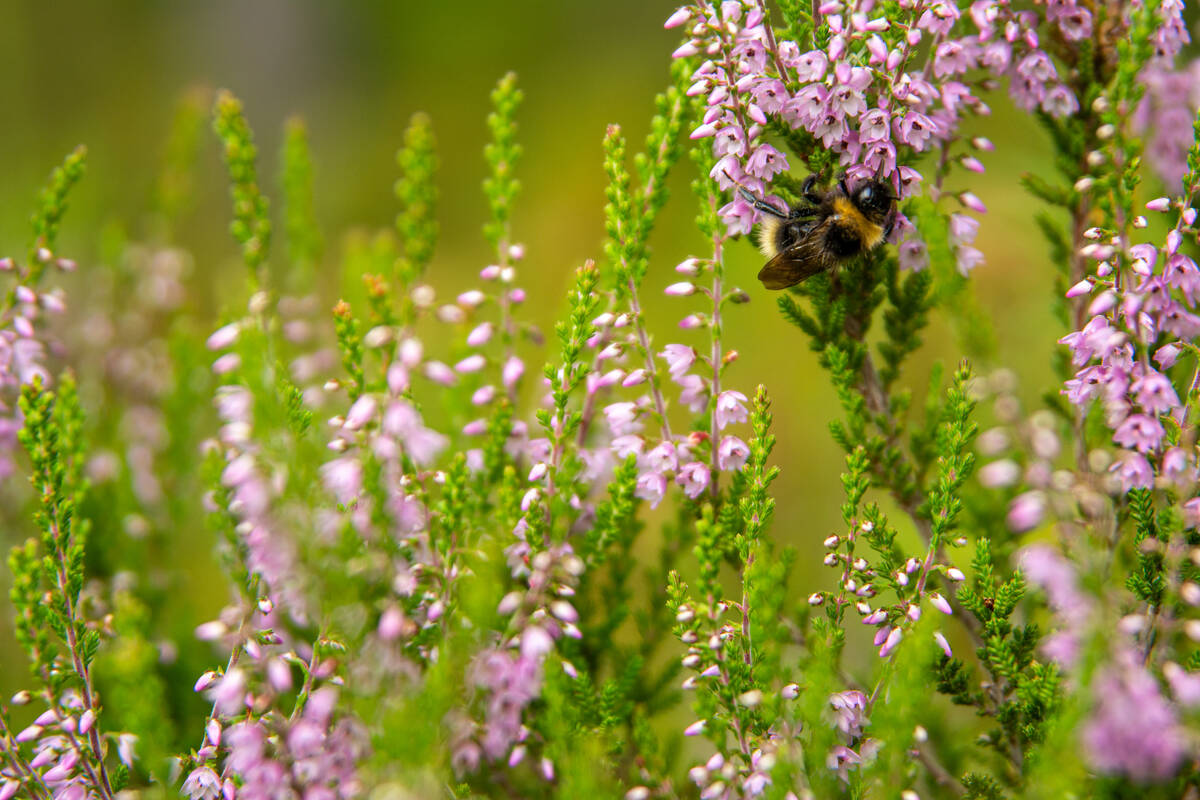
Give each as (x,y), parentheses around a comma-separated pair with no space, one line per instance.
(110,74)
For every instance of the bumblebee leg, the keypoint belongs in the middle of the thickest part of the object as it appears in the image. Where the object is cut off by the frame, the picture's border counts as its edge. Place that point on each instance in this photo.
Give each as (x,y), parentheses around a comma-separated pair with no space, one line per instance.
(809,192)
(761,205)
(803,213)
(887,229)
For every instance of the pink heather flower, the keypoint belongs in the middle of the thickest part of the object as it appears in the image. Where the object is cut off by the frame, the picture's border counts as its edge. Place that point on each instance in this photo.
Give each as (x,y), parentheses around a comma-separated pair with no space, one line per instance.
(438,372)
(811,66)
(1060,102)
(480,335)
(849,712)
(627,445)
(1140,432)
(914,129)
(651,486)
(1185,686)
(469,364)
(1027,511)
(730,408)
(679,359)
(229,693)
(971,201)
(940,603)
(202,784)
(1133,471)
(891,642)
(622,418)
(942,643)
(681,15)
(732,453)
(662,458)
(343,478)
(766,162)
(694,394)
(1000,474)
(223,337)
(913,255)
(1155,392)
(694,478)
(1133,730)
(362,412)
(513,369)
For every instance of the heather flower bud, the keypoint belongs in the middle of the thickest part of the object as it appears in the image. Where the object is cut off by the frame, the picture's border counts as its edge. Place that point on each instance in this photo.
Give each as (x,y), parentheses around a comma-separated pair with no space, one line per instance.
(681,289)
(223,337)
(816,599)
(940,603)
(696,728)
(891,642)
(211,631)
(22,698)
(751,698)
(832,541)
(971,201)
(1081,288)
(471,298)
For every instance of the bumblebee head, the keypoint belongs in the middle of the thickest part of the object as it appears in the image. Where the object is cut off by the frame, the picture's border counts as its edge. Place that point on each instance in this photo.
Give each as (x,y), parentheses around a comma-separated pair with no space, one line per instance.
(875,200)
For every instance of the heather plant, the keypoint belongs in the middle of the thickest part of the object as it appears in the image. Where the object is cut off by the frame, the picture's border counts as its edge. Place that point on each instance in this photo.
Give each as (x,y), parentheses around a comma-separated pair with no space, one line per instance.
(463,558)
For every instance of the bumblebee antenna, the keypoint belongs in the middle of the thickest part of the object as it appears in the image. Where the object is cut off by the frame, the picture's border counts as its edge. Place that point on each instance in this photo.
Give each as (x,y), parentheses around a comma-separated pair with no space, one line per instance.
(757,202)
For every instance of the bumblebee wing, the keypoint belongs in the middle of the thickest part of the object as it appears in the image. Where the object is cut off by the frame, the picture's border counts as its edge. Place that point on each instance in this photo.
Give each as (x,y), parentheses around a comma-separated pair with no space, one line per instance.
(802,260)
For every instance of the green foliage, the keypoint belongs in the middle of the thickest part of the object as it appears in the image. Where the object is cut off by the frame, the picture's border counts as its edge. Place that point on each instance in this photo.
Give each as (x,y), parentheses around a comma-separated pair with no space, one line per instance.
(630,213)
(301,232)
(502,153)
(176,179)
(52,204)
(415,188)
(251,225)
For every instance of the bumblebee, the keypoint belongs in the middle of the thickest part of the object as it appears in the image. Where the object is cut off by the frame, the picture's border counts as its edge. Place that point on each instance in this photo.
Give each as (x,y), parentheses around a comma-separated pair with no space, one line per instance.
(828,228)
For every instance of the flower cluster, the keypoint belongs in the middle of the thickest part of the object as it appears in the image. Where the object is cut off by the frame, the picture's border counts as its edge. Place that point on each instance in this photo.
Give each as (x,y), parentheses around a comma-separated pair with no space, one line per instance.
(23,345)
(867,95)
(1141,316)
(1133,729)
(252,751)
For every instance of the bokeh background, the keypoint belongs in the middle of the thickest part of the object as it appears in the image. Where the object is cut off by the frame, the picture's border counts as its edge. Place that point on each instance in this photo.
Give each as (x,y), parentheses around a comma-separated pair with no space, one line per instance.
(110,74)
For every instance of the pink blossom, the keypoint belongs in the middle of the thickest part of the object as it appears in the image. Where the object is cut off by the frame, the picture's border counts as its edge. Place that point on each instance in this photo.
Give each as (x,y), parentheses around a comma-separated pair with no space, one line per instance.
(732,453)
(694,478)
(730,408)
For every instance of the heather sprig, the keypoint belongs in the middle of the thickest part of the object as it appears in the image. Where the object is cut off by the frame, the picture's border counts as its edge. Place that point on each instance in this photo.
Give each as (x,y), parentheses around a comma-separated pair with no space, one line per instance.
(301,232)
(442,580)
(51,206)
(251,225)
(70,754)
(417,193)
